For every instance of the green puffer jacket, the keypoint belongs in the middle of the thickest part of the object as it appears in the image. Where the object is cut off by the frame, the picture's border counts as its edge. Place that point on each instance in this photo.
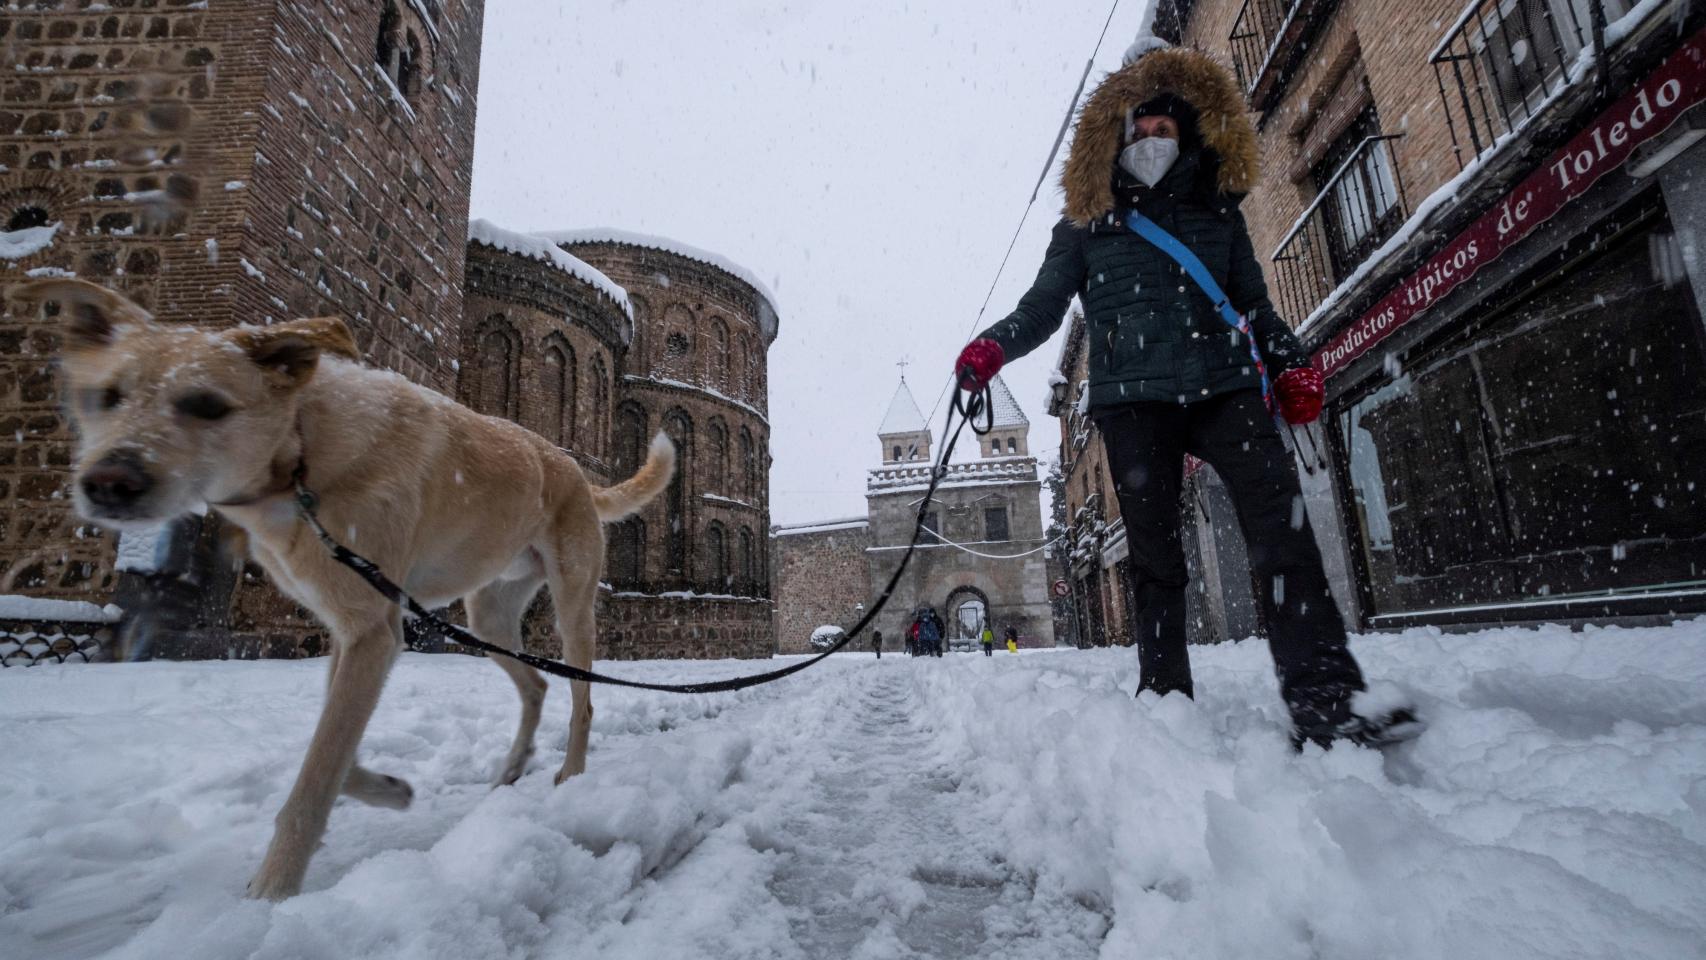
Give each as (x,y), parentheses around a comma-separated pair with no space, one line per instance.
(1153,334)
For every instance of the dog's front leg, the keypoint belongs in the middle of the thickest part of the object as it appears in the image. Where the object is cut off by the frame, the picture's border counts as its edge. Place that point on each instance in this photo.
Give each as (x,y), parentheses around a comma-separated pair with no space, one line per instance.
(357,678)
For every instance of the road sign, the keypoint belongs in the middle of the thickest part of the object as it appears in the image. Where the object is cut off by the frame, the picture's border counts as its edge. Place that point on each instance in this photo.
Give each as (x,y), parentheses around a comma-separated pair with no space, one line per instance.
(1061,588)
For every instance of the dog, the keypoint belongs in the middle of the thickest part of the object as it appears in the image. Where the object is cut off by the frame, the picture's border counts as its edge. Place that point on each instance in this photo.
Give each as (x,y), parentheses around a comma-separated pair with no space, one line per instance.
(449,503)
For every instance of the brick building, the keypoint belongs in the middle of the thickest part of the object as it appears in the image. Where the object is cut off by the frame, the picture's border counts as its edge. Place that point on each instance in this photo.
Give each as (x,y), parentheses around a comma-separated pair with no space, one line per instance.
(981,560)
(1462,204)
(253,161)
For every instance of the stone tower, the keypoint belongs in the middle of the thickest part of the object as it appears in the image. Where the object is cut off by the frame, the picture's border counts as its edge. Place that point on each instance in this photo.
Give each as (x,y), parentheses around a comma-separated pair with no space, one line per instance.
(1011,428)
(904,434)
(246,161)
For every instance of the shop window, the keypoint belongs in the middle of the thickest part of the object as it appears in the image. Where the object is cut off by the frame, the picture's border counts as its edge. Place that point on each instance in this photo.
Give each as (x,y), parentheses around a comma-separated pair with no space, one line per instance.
(1359,193)
(995,523)
(1553,452)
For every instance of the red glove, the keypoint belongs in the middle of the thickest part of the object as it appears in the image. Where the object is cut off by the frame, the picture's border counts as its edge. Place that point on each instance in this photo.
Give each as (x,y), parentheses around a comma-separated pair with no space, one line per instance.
(979,362)
(1300,393)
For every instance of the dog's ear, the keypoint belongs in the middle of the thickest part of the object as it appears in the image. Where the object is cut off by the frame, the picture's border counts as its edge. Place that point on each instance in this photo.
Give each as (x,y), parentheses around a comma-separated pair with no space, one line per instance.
(292,350)
(92,313)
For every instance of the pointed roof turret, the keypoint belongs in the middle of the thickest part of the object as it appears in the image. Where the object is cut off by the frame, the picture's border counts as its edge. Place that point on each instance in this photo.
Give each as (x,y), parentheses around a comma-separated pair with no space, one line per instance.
(903,415)
(1007,412)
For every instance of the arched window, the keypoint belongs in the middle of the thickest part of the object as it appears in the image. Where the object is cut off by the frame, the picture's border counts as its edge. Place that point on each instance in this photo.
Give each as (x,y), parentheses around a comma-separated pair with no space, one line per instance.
(716,559)
(717,455)
(737,370)
(397,52)
(719,373)
(744,486)
(557,404)
(496,355)
(748,572)
(897,451)
(630,441)
(680,429)
(627,563)
(599,419)
(749,467)
(1012,445)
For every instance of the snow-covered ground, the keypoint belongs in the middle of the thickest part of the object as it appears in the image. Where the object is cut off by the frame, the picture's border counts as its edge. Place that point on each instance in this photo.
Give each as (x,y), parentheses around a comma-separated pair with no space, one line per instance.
(1015,806)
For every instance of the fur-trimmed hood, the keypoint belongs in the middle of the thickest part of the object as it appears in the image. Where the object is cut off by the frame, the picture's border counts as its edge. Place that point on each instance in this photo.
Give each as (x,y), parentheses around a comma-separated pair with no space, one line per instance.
(1099,135)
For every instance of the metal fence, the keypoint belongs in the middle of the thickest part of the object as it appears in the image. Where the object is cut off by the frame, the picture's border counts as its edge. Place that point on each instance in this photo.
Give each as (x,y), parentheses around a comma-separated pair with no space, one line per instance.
(1503,59)
(1358,209)
(1253,34)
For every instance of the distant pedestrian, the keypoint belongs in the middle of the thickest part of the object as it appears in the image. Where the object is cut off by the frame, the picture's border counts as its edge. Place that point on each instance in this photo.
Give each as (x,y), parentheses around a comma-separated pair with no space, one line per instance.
(877,643)
(912,640)
(1012,639)
(988,641)
(929,637)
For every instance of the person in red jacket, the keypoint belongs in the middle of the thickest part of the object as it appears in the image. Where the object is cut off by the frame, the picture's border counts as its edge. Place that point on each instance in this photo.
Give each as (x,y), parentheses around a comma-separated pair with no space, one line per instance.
(1165,141)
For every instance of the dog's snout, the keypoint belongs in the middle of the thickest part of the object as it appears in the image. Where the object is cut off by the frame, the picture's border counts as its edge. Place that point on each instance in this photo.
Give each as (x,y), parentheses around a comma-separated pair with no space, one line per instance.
(116,480)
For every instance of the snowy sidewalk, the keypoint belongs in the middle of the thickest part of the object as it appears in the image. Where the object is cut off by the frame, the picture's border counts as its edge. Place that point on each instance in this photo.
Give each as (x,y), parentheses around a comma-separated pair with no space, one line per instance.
(992,807)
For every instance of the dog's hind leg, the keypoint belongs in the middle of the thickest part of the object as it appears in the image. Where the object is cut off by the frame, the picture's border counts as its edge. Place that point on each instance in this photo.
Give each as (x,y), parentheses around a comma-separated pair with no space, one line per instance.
(494,614)
(574,594)
(371,640)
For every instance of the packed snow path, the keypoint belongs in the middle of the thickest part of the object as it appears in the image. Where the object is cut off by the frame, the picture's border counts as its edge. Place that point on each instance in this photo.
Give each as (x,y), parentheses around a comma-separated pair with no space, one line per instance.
(1014,807)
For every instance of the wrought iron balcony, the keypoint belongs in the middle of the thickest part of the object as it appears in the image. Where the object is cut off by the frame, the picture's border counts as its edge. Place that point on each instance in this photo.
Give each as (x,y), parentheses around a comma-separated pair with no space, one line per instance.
(1503,60)
(1357,210)
(1268,39)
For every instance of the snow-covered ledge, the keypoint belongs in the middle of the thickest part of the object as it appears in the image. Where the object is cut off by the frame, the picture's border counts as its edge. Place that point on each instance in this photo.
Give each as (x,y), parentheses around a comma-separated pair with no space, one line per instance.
(17,607)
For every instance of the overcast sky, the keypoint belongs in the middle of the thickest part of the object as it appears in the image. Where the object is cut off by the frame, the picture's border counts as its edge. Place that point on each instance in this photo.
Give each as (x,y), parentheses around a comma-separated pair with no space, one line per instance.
(869,160)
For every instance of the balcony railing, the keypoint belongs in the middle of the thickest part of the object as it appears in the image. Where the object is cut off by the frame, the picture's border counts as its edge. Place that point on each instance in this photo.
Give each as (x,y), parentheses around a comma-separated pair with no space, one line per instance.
(1503,60)
(1357,210)
(1268,38)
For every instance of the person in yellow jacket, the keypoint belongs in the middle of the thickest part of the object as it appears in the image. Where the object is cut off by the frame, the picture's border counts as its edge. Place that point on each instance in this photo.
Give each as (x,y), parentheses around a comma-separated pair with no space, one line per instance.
(988,641)
(1012,639)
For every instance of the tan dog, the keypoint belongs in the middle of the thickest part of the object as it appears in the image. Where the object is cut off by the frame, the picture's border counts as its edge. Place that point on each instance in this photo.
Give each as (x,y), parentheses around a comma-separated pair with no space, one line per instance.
(449,503)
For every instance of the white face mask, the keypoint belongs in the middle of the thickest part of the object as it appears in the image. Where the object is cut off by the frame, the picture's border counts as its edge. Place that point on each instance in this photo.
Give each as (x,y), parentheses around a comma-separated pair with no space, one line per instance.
(1149,159)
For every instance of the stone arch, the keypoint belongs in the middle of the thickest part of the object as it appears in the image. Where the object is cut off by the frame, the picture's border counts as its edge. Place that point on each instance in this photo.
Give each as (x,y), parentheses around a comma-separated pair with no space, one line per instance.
(398,50)
(718,374)
(674,359)
(678,511)
(748,485)
(559,400)
(961,604)
(716,557)
(497,367)
(599,418)
(629,440)
(717,456)
(626,564)
(748,561)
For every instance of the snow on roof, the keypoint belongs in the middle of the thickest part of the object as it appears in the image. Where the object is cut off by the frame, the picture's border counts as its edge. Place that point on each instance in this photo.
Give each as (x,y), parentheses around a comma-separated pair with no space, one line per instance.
(766,322)
(819,526)
(903,415)
(538,248)
(1007,412)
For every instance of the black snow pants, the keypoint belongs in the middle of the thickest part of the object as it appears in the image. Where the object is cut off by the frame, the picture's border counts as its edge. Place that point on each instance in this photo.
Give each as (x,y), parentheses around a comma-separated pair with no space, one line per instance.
(1146,445)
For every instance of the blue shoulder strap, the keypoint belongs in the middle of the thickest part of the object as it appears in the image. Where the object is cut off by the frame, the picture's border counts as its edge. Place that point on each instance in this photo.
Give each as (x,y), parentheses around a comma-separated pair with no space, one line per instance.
(1189,262)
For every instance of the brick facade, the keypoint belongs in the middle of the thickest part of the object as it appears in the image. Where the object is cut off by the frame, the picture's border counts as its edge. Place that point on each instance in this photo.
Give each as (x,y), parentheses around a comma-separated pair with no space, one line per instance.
(308,186)
(690,572)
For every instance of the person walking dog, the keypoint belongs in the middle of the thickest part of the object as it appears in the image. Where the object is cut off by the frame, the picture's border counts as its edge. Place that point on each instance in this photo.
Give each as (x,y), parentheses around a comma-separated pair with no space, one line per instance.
(1188,355)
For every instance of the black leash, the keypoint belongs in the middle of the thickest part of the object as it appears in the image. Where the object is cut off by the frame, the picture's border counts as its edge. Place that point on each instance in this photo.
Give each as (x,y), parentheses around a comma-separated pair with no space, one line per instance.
(977,404)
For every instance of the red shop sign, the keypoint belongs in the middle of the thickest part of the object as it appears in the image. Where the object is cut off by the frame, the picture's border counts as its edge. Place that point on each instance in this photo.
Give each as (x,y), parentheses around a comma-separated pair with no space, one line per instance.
(1655,103)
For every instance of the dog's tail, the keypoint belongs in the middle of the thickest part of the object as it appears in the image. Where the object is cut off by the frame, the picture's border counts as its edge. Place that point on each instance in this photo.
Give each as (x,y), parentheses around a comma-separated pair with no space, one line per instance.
(627,497)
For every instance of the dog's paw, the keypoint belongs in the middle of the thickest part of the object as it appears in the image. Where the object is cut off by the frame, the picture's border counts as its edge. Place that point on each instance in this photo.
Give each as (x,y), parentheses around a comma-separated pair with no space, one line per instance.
(378,789)
(513,768)
(273,885)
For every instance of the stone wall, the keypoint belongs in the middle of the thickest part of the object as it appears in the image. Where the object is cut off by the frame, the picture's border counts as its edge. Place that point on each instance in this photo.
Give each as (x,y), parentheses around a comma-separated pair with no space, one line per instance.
(821,576)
